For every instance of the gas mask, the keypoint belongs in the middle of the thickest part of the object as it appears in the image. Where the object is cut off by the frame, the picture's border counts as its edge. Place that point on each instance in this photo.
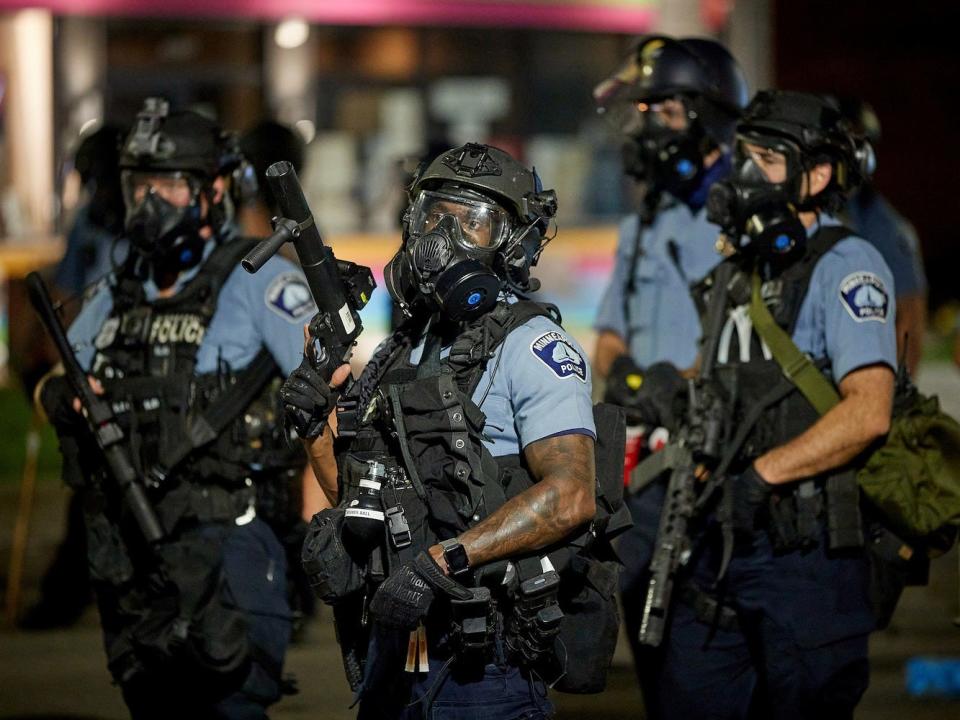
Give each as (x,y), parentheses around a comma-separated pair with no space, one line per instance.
(670,160)
(749,206)
(448,254)
(657,149)
(164,219)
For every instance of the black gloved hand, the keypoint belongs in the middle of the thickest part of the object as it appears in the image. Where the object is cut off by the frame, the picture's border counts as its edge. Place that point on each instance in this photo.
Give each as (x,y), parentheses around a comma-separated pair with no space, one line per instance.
(307,400)
(649,396)
(623,382)
(404,598)
(57,398)
(751,493)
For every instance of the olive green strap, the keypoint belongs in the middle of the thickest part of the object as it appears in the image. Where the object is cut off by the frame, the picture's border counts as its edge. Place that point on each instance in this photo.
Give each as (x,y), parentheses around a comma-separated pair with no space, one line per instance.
(798,368)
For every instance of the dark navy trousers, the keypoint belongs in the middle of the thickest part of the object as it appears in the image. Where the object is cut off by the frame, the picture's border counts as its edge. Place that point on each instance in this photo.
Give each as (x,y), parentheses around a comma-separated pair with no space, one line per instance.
(464,690)
(254,567)
(800,646)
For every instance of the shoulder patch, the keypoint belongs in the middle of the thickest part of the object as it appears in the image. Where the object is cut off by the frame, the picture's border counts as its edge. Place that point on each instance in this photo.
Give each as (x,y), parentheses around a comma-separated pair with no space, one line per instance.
(865,297)
(289,297)
(559,355)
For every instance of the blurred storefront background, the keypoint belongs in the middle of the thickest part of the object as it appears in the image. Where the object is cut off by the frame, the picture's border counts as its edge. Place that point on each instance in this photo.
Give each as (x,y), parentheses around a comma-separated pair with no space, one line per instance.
(373,85)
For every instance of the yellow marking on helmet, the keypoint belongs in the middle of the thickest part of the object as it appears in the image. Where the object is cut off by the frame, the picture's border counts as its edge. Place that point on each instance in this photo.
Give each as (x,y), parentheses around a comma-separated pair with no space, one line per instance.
(652,47)
(648,55)
(634,381)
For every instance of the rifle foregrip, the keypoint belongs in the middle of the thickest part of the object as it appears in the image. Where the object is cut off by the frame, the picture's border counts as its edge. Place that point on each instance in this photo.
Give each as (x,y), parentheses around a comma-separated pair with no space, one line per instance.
(266,249)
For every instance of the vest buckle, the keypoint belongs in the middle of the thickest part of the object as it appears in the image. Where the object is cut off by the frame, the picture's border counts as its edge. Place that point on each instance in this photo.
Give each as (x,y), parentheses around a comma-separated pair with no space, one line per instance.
(399,528)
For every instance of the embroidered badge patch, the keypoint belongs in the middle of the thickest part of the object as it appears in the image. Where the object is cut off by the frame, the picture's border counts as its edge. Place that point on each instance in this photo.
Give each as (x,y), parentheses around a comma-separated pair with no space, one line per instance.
(559,355)
(289,297)
(864,297)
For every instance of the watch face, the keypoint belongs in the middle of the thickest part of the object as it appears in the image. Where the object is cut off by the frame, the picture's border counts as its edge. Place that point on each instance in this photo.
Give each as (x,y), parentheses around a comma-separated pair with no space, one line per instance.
(455,556)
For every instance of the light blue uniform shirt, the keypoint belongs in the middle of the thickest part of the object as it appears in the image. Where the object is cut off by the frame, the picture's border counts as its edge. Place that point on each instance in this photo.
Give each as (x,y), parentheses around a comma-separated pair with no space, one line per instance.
(849,312)
(266,309)
(537,385)
(676,251)
(847,315)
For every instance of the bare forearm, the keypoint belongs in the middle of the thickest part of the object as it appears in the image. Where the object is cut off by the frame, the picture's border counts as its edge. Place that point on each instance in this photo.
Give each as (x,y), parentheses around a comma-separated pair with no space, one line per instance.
(541,516)
(324,465)
(840,435)
(562,500)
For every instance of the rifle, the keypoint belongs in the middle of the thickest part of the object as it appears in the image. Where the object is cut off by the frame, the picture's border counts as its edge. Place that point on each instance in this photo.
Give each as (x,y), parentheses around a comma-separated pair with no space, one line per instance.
(100,419)
(698,444)
(340,289)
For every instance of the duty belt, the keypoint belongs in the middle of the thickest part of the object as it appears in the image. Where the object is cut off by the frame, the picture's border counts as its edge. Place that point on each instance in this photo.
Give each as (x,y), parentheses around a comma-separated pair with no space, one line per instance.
(709,609)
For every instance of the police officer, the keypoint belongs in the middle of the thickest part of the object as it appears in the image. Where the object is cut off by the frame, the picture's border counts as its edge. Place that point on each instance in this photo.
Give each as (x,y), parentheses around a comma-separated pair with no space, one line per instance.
(874,218)
(92,242)
(181,341)
(477,445)
(676,101)
(90,249)
(772,614)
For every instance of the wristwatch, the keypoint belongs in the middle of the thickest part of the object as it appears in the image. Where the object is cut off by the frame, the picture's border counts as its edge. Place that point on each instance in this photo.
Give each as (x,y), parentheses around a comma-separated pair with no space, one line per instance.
(455,556)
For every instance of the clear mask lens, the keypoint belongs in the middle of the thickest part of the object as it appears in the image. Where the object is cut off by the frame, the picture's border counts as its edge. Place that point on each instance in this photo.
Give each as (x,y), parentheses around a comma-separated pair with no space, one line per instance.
(177,188)
(766,160)
(483,225)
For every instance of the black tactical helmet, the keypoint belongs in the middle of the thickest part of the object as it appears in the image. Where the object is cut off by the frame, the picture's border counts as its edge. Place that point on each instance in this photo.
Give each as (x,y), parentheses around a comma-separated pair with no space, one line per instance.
(482,172)
(699,69)
(815,125)
(493,173)
(98,155)
(182,140)
(97,161)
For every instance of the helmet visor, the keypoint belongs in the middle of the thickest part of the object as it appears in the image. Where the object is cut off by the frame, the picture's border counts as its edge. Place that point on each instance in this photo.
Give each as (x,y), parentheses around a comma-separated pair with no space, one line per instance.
(637,117)
(483,225)
(180,189)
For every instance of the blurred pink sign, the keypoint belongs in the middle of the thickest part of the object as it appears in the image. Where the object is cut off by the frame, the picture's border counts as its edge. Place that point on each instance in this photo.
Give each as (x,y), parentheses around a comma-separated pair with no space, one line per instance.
(620,16)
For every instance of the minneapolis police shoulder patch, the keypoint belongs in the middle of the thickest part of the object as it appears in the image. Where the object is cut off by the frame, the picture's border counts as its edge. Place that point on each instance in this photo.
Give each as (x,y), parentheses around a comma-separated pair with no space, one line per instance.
(865,297)
(289,297)
(555,351)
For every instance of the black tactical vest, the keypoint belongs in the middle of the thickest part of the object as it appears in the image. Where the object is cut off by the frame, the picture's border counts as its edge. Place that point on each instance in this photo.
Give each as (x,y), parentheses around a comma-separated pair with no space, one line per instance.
(768,409)
(146,356)
(425,423)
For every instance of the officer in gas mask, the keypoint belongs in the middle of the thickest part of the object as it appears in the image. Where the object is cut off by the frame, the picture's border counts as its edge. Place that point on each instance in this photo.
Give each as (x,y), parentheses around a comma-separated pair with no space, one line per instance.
(772,614)
(190,350)
(471,442)
(676,102)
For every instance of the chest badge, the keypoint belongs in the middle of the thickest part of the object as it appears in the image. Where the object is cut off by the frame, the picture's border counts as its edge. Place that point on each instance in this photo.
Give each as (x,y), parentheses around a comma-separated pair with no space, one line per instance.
(554,351)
